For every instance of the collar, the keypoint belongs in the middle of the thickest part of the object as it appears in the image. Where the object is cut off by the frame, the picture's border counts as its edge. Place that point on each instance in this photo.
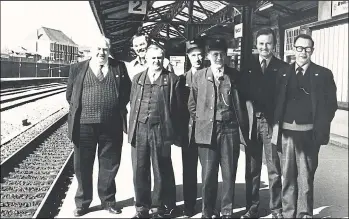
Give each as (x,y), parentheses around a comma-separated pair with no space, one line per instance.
(96,65)
(217,72)
(137,60)
(304,67)
(267,60)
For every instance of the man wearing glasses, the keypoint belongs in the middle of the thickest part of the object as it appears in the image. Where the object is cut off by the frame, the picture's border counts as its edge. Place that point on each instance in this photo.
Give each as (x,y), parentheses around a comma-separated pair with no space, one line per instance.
(305,107)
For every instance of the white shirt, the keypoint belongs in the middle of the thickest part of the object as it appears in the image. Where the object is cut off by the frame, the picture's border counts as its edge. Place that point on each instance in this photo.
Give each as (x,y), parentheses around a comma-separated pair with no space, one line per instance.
(217,72)
(135,66)
(153,75)
(267,61)
(95,66)
(304,67)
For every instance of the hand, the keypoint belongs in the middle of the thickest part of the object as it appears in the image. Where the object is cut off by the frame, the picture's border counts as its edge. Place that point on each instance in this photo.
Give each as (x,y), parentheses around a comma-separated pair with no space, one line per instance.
(274,137)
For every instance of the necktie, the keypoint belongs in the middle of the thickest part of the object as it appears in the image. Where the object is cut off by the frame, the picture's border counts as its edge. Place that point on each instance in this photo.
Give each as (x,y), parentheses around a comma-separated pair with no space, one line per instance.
(100,75)
(264,65)
(299,76)
(153,78)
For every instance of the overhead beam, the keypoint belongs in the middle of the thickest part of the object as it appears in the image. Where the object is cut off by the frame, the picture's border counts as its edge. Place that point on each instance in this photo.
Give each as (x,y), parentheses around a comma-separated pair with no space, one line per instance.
(203,10)
(112,4)
(177,7)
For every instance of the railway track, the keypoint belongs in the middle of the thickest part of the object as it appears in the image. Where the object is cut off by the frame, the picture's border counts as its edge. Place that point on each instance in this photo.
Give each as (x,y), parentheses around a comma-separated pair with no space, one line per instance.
(32,178)
(11,91)
(9,102)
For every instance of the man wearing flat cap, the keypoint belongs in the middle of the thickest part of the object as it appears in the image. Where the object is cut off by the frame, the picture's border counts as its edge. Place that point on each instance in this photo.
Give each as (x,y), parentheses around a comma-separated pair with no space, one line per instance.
(215,106)
(195,53)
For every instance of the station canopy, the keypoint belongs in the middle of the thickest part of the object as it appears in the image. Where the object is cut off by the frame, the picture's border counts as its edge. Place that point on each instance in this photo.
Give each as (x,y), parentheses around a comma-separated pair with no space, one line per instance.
(170,20)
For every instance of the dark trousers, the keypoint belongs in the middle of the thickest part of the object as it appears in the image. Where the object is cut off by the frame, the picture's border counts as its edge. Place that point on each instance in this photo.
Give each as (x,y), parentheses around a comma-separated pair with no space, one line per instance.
(149,146)
(224,150)
(299,163)
(190,165)
(261,136)
(109,139)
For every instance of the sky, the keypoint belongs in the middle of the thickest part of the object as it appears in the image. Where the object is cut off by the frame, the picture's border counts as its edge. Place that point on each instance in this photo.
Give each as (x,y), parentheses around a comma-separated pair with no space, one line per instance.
(20,18)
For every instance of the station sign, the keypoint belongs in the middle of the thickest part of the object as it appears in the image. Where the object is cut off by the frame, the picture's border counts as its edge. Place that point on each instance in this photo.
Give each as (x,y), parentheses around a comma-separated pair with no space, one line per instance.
(339,7)
(238,30)
(137,7)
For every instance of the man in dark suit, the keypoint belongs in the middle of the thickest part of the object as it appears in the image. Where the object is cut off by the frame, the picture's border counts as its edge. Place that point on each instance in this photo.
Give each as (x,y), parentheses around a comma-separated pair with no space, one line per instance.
(195,53)
(215,106)
(98,91)
(153,126)
(258,88)
(305,107)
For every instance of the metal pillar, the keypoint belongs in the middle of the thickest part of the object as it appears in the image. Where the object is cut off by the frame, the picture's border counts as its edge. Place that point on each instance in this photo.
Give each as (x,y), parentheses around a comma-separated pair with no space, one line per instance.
(246,40)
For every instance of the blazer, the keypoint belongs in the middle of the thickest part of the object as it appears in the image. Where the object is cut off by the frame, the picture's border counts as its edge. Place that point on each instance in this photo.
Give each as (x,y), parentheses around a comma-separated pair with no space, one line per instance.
(250,86)
(77,74)
(323,100)
(168,96)
(202,96)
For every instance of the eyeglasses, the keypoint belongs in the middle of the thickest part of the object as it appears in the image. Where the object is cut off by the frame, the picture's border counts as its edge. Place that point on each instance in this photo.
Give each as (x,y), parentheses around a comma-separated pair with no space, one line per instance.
(301,48)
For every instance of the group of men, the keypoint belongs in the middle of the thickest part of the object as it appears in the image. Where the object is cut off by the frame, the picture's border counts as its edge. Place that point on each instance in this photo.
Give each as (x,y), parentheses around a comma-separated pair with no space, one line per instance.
(208,111)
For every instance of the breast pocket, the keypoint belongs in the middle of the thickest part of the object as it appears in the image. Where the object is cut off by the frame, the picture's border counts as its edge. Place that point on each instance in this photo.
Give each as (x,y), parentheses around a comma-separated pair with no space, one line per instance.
(225,92)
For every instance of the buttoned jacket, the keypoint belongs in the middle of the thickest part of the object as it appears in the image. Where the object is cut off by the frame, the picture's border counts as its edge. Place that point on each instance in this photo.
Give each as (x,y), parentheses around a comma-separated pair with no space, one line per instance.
(202,101)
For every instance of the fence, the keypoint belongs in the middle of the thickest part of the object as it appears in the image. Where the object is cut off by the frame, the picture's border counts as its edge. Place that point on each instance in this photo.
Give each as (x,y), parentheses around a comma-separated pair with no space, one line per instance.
(14,69)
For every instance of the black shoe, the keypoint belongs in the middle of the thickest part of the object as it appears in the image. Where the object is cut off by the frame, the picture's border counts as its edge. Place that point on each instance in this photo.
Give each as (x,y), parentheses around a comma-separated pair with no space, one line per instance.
(250,214)
(277,215)
(171,212)
(189,212)
(227,216)
(80,211)
(206,216)
(112,208)
(158,215)
(141,214)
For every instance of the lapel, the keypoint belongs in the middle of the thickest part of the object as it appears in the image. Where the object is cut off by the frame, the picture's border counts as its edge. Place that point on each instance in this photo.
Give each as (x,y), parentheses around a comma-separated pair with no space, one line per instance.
(116,74)
(209,75)
(163,77)
(80,77)
(313,84)
(188,78)
(272,65)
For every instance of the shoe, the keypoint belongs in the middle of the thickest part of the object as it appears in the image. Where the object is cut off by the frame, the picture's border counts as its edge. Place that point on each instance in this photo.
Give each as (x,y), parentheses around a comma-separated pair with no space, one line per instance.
(171,212)
(250,214)
(141,214)
(158,215)
(277,215)
(80,211)
(227,216)
(112,208)
(205,216)
(189,212)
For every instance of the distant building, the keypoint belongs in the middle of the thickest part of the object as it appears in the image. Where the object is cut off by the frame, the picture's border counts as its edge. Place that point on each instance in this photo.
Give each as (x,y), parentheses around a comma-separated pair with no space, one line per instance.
(52,45)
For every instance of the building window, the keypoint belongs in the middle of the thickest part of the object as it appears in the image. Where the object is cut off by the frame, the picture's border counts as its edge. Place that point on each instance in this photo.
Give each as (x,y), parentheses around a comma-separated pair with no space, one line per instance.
(290,35)
(52,56)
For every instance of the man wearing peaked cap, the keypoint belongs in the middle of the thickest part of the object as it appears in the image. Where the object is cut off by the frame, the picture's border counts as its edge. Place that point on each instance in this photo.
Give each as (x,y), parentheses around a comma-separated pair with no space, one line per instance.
(195,53)
(214,106)
(217,44)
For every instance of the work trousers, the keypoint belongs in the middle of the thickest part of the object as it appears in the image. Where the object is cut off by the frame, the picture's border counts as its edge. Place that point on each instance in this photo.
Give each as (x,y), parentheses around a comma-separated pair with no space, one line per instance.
(149,146)
(190,165)
(109,138)
(299,163)
(224,150)
(261,136)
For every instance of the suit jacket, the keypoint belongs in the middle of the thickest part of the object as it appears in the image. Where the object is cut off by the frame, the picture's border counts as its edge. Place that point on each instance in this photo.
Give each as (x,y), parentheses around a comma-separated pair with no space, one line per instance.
(186,123)
(252,91)
(168,96)
(74,90)
(202,96)
(323,100)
